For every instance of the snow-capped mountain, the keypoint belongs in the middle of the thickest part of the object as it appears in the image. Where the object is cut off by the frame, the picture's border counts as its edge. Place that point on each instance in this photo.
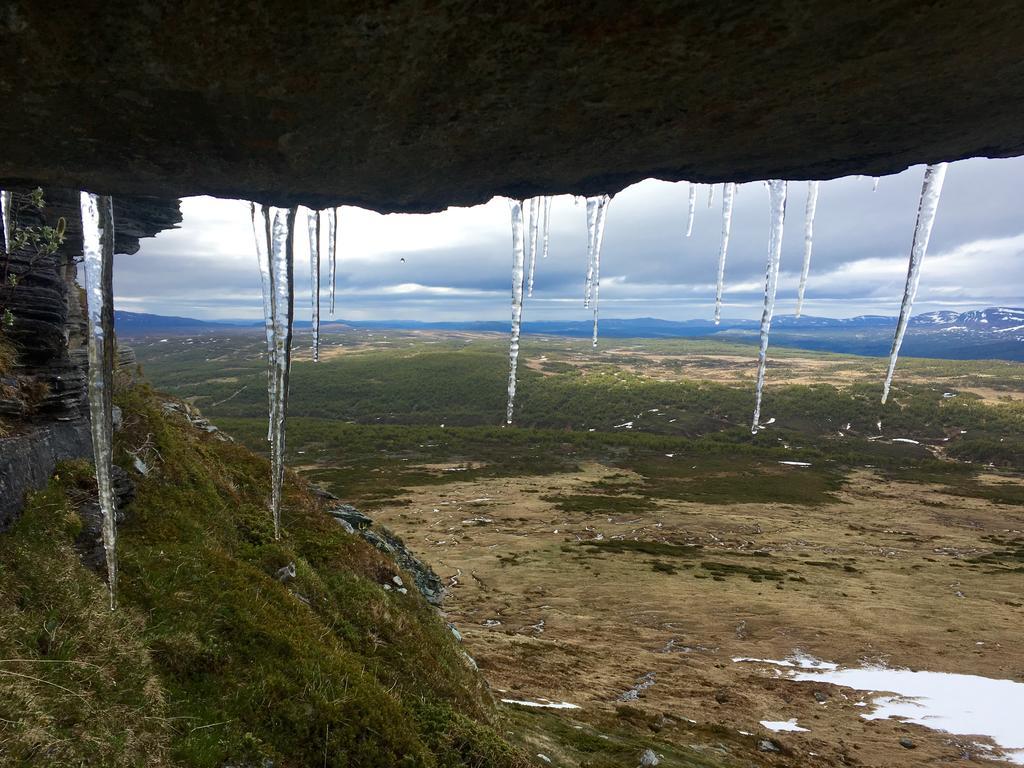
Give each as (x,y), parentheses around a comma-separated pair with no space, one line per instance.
(996,332)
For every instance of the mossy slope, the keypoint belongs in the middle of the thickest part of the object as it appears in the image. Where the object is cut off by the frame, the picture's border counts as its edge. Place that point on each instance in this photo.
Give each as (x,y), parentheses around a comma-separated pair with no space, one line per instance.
(209,660)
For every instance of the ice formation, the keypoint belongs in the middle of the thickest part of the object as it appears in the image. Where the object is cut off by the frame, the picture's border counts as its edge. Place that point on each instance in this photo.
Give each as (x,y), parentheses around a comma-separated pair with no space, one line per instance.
(777,191)
(534,207)
(518,262)
(313,227)
(812,204)
(595,239)
(261,233)
(931,189)
(277,251)
(692,209)
(332,247)
(728,196)
(588,288)
(98,261)
(6,200)
(546,225)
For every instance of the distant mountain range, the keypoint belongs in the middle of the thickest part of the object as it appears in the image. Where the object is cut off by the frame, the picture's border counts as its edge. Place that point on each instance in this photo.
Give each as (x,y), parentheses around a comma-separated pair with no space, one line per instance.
(993,333)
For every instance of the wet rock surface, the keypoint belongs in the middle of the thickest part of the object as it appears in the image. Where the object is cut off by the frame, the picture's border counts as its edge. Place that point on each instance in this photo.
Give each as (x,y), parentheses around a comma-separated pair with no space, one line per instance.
(42,400)
(416,106)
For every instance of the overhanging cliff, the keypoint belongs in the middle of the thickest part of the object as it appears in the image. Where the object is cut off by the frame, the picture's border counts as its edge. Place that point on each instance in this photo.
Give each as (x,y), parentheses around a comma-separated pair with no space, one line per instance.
(417,105)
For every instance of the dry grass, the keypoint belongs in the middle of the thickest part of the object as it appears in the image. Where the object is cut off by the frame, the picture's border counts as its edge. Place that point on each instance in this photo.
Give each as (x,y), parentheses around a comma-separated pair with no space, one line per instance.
(8,355)
(77,686)
(884,573)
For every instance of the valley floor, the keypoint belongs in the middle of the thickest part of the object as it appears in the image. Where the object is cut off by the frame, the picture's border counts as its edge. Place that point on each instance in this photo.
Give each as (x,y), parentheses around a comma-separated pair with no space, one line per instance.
(561,603)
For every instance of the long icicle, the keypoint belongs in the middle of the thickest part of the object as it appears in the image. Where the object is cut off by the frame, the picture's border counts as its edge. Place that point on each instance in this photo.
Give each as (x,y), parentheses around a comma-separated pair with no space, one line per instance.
(931,190)
(98,250)
(332,245)
(282,252)
(547,222)
(711,195)
(812,204)
(692,209)
(874,184)
(261,233)
(777,190)
(598,240)
(588,291)
(313,228)
(535,214)
(518,262)
(6,202)
(728,196)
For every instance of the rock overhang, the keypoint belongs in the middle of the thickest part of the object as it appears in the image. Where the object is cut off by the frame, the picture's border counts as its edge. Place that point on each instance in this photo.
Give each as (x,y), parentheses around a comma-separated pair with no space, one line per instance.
(416,105)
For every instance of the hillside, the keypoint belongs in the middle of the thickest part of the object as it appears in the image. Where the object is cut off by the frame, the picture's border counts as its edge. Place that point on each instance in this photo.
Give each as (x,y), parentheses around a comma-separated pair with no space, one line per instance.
(212,660)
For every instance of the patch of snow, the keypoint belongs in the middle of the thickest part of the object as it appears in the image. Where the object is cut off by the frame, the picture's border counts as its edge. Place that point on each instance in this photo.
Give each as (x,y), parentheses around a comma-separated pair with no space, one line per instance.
(798,463)
(966,705)
(905,440)
(783,725)
(544,704)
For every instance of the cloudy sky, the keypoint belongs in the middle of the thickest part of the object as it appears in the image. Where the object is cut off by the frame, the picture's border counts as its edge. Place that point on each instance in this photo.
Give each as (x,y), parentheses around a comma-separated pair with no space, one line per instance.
(457,263)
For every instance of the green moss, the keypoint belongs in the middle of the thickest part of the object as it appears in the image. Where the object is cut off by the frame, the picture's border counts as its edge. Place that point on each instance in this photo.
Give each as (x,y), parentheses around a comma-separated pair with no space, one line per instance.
(210,659)
(77,683)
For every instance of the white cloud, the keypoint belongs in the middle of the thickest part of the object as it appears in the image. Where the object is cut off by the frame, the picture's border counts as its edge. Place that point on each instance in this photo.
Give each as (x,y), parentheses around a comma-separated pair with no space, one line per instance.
(455,264)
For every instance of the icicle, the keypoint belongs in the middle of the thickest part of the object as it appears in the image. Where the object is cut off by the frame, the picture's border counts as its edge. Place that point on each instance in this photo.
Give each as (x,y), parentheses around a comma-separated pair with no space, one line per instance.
(6,201)
(591,227)
(931,189)
(282,251)
(874,185)
(597,238)
(98,250)
(693,209)
(812,204)
(332,247)
(535,213)
(313,227)
(728,195)
(711,194)
(777,190)
(518,262)
(546,226)
(261,233)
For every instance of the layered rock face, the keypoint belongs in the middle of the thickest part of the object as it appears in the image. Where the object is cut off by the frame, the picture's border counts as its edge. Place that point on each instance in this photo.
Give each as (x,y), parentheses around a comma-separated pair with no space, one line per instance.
(42,402)
(414,105)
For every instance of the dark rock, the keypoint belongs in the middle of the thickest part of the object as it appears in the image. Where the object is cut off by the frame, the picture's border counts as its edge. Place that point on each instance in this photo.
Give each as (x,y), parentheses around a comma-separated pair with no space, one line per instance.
(722,696)
(907,743)
(28,460)
(43,398)
(320,493)
(89,542)
(820,696)
(768,745)
(351,515)
(285,574)
(418,106)
(427,582)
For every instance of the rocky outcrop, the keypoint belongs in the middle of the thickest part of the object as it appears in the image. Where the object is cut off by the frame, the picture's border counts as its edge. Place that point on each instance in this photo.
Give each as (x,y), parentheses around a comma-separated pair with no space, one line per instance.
(27,461)
(415,106)
(42,401)
(355,522)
